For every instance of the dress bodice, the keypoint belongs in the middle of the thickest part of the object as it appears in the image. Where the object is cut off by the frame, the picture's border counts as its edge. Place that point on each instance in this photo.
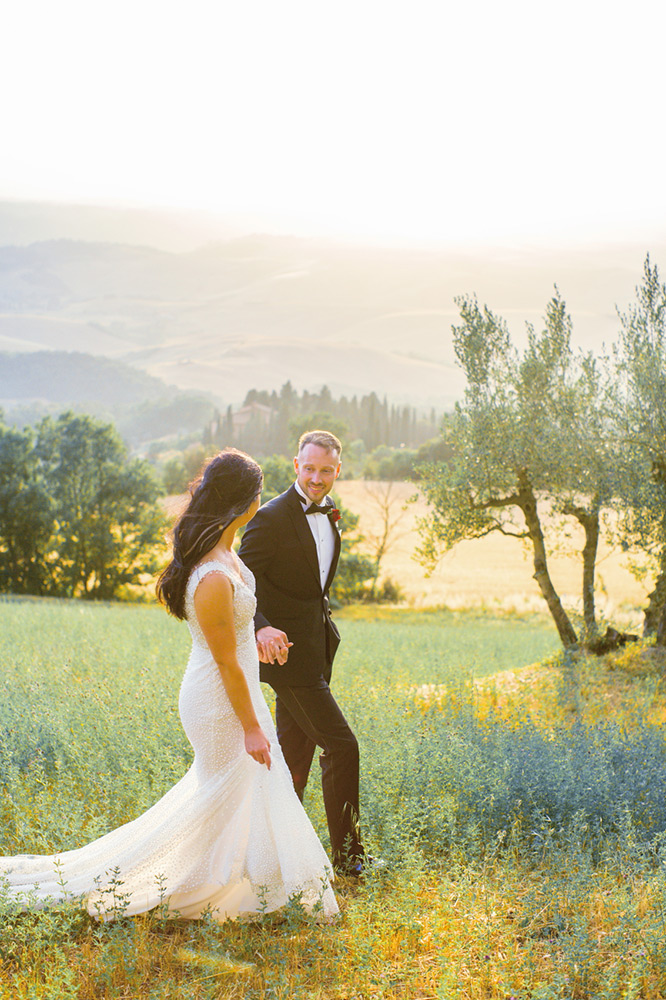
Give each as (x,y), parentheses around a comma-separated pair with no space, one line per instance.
(244,601)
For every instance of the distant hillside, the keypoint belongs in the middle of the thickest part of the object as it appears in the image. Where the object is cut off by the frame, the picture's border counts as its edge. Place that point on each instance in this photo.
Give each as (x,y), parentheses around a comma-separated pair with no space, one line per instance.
(24,222)
(142,406)
(256,311)
(75,378)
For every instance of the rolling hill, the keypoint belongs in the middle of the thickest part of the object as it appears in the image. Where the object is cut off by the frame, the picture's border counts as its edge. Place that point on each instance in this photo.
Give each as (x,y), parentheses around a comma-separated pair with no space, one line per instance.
(39,383)
(256,311)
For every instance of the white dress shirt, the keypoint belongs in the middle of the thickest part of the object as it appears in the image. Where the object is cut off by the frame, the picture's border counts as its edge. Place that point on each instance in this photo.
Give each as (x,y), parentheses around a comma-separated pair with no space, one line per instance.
(323,533)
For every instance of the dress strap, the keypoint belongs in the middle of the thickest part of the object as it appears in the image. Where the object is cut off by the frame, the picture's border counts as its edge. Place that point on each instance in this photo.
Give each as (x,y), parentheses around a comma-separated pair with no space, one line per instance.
(203,569)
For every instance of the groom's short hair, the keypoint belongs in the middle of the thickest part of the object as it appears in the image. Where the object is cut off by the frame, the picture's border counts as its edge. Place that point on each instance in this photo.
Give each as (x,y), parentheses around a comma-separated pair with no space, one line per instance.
(323,439)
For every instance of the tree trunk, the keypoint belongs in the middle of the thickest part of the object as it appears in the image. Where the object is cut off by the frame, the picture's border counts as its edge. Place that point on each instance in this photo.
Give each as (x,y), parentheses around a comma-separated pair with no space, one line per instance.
(654,622)
(373,584)
(661,627)
(656,605)
(590,525)
(528,505)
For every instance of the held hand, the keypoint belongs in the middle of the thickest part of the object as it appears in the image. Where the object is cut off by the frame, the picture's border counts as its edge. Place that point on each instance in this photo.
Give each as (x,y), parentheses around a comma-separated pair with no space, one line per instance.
(272,645)
(258,746)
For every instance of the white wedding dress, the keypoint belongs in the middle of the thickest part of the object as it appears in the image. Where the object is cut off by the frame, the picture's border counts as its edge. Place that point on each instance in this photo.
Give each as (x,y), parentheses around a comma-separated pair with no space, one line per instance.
(230,838)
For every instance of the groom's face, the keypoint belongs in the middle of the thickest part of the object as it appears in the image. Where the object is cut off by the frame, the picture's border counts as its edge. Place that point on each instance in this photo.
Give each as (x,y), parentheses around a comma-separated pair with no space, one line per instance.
(316,471)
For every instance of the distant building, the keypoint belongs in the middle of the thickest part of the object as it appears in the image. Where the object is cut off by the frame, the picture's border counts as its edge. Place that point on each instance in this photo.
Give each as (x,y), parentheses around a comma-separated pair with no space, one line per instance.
(258,413)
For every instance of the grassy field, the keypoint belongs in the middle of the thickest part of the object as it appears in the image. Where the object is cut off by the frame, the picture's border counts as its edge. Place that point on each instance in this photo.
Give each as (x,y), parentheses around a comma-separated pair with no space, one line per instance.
(518,798)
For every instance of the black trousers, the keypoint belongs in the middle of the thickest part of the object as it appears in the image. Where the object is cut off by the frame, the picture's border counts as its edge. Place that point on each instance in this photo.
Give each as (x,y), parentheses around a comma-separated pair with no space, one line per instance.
(309,717)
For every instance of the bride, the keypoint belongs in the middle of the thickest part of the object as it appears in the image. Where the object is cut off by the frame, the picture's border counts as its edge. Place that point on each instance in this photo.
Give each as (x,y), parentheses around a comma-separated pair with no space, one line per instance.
(231,837)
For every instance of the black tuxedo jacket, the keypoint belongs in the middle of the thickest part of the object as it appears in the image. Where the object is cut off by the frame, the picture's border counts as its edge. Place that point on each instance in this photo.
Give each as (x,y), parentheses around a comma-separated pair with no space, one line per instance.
(279,549)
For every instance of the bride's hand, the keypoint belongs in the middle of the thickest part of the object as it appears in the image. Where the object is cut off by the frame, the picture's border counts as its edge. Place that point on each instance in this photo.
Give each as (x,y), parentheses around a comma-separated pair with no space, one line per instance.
(258,746)
(272,645)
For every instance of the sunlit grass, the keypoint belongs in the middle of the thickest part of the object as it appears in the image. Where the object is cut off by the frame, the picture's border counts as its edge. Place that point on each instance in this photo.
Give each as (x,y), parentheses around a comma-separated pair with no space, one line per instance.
(521,809)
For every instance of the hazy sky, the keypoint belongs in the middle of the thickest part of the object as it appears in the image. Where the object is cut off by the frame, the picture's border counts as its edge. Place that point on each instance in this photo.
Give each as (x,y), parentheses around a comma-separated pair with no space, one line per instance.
(403,121)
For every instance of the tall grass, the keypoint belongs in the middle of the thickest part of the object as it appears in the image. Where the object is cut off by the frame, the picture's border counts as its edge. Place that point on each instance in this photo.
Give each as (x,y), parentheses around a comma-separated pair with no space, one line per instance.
(524,841)
(89,728)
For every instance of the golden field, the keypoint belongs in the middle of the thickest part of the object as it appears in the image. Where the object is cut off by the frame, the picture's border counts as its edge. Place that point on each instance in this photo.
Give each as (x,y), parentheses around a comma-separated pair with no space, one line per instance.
(495,571)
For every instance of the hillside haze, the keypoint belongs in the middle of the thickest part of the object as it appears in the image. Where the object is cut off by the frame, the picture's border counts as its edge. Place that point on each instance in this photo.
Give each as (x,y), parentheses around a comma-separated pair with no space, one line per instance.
(256,311)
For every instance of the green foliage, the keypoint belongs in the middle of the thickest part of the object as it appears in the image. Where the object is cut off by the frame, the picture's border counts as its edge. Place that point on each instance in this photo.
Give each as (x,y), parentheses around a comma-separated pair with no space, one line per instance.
(393,464)
(78,516)
(27,516)
(640,402)
(641,358)
(355,570)
(317,420)
(174,476)
(279,474)
(388,592)
(179,471)
(351,579)
(436,449)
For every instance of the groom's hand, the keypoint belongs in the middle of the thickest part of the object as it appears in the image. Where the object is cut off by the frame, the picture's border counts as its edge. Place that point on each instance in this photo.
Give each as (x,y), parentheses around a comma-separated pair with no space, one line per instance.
(272,645)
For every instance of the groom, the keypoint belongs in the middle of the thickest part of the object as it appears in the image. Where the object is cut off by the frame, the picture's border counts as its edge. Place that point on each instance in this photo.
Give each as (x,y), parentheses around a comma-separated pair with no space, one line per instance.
(292,546)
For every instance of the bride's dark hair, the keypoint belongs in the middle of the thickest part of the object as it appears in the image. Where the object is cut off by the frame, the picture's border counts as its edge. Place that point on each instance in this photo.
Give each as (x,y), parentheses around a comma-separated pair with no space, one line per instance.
(223,491)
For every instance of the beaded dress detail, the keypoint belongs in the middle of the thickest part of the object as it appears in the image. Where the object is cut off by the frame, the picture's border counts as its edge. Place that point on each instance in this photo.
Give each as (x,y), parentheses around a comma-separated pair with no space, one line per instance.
(230,838)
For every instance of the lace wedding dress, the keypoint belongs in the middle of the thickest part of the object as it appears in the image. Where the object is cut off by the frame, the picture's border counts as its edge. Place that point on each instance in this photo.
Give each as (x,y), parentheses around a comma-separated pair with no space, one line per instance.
(231,837)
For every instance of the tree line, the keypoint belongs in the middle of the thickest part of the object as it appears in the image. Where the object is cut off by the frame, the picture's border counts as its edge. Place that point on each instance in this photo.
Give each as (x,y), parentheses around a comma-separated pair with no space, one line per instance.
(281,417)
(380,441)
(550,434)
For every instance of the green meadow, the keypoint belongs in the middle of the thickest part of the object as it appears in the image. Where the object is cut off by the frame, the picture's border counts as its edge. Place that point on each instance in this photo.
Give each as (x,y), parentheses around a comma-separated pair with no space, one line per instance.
(523,823)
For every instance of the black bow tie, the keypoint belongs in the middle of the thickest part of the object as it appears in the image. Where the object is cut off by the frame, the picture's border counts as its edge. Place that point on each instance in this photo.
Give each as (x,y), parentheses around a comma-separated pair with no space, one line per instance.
(314,508)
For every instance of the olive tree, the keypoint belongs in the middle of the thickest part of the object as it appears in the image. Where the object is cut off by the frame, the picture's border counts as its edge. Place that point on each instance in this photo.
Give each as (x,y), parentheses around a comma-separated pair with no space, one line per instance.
(521,444)
(640,401)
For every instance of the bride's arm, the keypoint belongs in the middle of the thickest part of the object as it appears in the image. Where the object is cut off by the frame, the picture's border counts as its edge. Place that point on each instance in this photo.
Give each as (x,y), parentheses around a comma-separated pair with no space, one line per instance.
(213,604)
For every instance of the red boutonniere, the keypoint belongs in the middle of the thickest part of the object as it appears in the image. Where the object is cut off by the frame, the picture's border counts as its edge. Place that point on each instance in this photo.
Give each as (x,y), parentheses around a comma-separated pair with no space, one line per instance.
(334,514)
